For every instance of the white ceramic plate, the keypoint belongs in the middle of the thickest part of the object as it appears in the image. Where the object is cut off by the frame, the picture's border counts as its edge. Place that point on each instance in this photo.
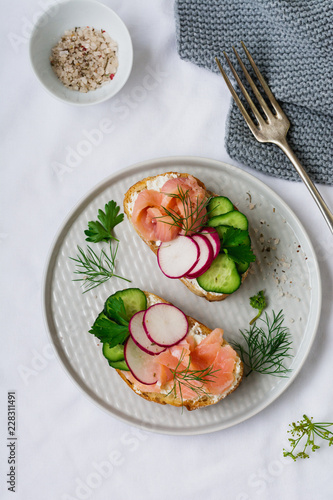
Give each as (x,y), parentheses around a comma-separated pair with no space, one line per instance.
(63,16)
(286,268)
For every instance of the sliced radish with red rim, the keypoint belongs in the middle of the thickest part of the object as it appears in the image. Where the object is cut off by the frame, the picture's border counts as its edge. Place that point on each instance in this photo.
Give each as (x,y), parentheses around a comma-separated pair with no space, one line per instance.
(140,337)
(165,324)
(142,365)
(206,256)
(177,257)
(214,239)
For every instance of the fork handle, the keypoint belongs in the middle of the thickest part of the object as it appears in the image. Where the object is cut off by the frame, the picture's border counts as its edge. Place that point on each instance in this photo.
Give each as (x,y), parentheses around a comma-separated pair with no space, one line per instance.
(327,214)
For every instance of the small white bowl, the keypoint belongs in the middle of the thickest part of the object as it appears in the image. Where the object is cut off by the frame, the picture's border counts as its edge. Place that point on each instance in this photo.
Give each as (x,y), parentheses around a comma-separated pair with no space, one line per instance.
(65,16)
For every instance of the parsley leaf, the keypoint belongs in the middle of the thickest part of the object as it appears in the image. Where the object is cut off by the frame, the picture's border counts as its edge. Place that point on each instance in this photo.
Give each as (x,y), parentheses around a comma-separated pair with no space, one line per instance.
(108,331)
(240,254)
(111,325)
(101,230)
(236,243)
(233,237)
(114,309)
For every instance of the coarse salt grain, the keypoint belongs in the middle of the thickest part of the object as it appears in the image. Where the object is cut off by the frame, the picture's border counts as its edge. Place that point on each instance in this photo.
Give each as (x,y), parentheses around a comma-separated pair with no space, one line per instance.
(85,58)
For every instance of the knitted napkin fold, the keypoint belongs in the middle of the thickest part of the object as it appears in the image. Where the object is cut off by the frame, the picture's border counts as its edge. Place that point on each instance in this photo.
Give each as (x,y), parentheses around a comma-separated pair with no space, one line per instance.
(292,45)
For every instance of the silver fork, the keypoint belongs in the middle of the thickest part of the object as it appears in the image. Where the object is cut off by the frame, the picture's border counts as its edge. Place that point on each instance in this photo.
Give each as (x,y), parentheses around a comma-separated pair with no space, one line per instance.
(270,127)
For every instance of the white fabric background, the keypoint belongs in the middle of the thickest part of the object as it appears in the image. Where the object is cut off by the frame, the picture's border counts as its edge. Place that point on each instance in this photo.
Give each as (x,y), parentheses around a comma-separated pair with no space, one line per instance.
(67,447)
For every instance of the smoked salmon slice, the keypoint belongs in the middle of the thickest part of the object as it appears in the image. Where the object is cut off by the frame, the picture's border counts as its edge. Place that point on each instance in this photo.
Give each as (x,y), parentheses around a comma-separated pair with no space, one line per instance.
(173,186)
(193,203)
(149,218)
(150,212)
(210,354)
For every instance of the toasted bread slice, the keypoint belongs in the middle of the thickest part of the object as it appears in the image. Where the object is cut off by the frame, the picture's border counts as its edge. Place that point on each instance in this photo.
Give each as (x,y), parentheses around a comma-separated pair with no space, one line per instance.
(157,182)
(198,329)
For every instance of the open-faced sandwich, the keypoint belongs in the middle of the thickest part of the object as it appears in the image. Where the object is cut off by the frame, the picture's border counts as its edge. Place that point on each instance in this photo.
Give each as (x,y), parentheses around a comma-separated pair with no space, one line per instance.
(163,355)
(198,236)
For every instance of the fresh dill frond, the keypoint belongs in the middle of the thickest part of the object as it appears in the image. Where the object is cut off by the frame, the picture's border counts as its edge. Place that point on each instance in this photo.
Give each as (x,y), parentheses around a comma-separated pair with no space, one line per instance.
(191,379)
(95,269)
(258,302)
(194,217)
(306,427)
(266,351)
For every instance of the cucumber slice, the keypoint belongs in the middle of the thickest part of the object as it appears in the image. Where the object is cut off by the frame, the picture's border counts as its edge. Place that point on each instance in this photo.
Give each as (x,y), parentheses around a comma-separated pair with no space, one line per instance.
(134,301)
(234,219)
(115,353)
(221,277)
(219,205)
(222,229)
(242,267)
(119,365)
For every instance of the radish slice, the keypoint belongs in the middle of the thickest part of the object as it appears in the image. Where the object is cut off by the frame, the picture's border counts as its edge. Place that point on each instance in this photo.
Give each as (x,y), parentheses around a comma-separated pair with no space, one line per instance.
(214,239)
(177,257)
(139,335)
(205,257)
(142,365)
(165,324)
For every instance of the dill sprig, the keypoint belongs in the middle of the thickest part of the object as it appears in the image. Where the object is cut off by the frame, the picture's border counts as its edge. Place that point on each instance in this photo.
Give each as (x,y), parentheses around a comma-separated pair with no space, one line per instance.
(192,379)
(194,217)
(306,427)
(266,352)
(93,269)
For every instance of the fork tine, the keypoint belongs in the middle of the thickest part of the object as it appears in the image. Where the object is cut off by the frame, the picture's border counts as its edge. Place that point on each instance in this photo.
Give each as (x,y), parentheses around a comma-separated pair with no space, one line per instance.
(253,86)
(245,92)
(236,98)
(264,85)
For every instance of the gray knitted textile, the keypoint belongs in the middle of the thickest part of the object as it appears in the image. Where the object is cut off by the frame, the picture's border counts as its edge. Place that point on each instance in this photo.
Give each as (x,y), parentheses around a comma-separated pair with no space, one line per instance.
(291,42)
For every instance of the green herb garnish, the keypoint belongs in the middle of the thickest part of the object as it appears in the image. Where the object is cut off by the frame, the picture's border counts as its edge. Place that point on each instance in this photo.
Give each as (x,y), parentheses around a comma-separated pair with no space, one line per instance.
(306,427)
(234,244)
(258,302)
(108,331)
(101,230)
(194,217)
(265,352)
(240,254)
(192,379)
(234,236)
(93,269)
(115,310)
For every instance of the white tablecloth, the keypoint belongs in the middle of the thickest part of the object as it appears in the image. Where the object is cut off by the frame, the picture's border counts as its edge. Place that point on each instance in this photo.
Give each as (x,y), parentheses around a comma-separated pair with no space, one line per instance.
(52,155)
